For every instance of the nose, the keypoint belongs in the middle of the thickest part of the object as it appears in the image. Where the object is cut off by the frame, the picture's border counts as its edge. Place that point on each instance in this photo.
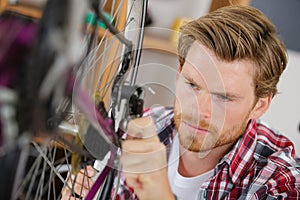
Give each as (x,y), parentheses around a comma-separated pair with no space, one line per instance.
(204,103)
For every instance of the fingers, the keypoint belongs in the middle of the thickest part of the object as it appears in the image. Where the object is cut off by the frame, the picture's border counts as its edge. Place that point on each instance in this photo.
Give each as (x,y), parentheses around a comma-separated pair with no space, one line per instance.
(141,146)
(143,157)
(132,180)
(144,160)
(79,184)
(67,195)
(142,150)
(83,178)
(90,171)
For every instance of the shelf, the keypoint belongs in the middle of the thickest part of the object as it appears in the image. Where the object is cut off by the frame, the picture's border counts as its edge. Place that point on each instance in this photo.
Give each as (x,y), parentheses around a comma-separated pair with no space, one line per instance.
(163,45)
(24,10)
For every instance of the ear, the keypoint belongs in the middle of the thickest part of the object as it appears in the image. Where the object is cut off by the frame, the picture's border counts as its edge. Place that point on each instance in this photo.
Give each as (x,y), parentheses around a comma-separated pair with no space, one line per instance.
(179,68)
(261,107)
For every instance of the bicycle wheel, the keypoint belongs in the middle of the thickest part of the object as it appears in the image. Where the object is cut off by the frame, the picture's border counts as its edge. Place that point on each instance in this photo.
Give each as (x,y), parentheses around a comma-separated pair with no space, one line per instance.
(41,168)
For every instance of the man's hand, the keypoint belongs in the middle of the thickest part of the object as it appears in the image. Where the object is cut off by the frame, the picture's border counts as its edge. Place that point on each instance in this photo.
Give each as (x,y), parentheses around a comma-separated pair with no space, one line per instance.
(144,161)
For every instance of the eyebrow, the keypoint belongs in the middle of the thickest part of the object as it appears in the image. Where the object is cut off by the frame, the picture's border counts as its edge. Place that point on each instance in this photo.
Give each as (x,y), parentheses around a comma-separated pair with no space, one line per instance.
(226,94)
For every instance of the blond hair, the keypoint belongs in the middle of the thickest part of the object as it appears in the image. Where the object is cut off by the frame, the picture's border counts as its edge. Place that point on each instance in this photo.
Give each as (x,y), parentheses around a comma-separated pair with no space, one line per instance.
(239,32)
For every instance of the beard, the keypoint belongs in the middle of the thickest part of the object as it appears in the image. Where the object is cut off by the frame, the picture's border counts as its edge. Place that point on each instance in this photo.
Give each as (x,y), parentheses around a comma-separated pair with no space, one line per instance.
(216,136)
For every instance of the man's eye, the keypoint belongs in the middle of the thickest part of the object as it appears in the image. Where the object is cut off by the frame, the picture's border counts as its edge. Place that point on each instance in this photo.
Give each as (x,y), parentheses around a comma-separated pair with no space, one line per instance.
(192,85)
(222,97)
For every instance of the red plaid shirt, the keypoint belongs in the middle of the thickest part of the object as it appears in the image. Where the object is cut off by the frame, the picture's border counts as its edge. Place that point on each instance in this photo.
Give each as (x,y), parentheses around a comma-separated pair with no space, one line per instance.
(262,164)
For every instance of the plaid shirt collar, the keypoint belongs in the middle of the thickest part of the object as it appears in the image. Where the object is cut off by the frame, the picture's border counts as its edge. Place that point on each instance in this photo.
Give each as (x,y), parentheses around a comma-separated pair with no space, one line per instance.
(241,156)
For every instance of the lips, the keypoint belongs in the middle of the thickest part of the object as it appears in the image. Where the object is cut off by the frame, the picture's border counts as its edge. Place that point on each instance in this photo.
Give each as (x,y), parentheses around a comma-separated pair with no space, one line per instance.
(195,129)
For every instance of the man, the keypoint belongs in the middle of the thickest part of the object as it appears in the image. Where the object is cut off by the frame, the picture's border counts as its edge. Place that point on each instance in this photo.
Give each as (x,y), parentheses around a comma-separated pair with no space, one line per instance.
(212,145)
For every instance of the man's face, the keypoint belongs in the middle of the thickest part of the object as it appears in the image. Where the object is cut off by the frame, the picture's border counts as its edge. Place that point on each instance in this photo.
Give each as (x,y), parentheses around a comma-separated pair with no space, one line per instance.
(214,100)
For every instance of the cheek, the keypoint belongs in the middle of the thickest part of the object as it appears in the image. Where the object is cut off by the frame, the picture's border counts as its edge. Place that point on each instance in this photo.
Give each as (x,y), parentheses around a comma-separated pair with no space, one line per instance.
(235,120)
(236,113)
(227,117)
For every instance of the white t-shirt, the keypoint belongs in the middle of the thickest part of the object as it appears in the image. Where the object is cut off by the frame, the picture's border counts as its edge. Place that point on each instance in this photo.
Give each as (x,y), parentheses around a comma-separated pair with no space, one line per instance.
(183,187)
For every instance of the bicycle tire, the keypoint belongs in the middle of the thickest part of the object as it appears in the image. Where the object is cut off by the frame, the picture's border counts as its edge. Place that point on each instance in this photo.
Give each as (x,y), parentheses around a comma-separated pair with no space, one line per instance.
(45,158)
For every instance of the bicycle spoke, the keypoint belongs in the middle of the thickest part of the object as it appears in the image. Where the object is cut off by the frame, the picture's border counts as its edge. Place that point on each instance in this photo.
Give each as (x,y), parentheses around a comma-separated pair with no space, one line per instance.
(47,168)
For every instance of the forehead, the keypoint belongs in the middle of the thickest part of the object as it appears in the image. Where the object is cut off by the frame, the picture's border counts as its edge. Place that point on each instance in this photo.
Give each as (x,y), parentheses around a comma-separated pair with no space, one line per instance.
(202,65)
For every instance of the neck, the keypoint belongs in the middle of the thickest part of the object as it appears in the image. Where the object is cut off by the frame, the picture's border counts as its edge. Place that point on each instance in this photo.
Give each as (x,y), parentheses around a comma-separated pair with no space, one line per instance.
(196,163)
